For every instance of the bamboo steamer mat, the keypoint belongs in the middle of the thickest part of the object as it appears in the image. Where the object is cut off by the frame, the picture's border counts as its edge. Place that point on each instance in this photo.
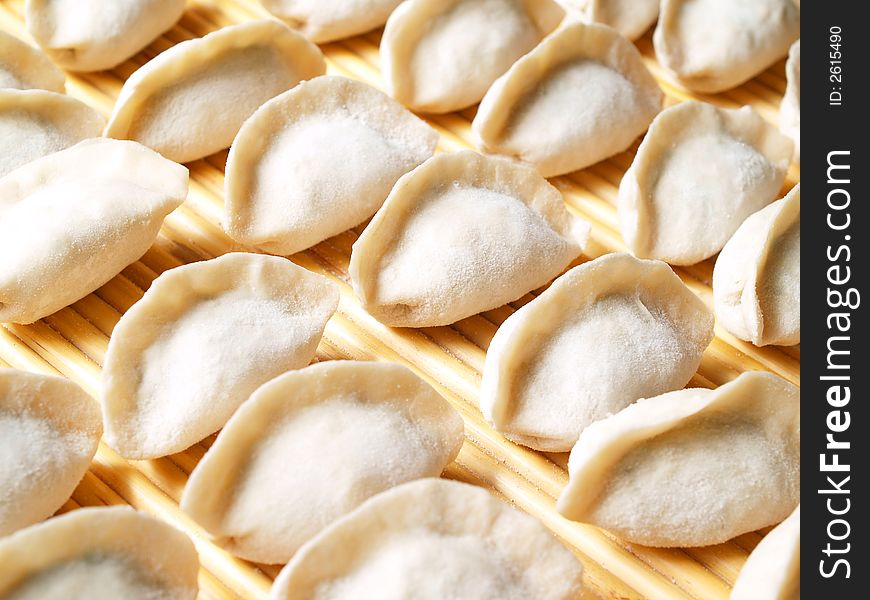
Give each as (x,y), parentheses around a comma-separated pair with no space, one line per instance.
(73,341)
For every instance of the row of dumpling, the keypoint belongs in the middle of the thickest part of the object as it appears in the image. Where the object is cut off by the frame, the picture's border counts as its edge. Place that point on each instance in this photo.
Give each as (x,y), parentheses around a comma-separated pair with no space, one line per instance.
(595,296)
(353,429)
(435,56)
(708,46)
(186,103)
(364,142)
(576,98)
(488,230)
(636,310)
(367,142)
(596,365)
(71,194)
(668,207)
(359,508)
(388,546)
(672,205)
(180,341)
(734,450)
(441,56)
(582,94)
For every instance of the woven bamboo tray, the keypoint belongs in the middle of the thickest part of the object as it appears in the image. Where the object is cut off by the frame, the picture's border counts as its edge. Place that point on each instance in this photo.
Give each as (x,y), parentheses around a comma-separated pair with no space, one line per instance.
(73,341)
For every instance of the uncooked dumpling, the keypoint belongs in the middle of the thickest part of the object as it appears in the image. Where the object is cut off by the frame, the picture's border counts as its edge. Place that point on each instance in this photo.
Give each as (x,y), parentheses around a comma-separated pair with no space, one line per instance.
(604,334)
(317,160)
(191,100)
(757,278)
(581,96)
(24,67)
(790,109)
(432,539)
(631,18)
(34,123)
(699,172)
(350,429)
(72,220)
(92,35)
(49,431)
(461,234)
(714,45)
(442,55)
(99,554)
(200,341)
(693,467)
(328,20)
(773,570)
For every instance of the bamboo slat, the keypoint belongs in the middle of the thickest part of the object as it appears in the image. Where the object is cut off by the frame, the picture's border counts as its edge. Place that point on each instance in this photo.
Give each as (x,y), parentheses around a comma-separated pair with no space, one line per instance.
(73,341)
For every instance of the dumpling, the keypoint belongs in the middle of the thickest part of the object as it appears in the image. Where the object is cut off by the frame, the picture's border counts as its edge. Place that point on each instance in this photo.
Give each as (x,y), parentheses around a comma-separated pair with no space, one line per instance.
(773,570)
(693,467)
(790,109)
(757,277)
(710,46)
(34,123)
(461,234)
(699,172)
(581,96)
(328,20)
(432,539)
(604,334)
(317,160)
(200,341)
(49,431)
(72,220)
(631,18)
(24,67)
(439,56)
(381,426)
(93,35)
(99,554)
(191,100)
